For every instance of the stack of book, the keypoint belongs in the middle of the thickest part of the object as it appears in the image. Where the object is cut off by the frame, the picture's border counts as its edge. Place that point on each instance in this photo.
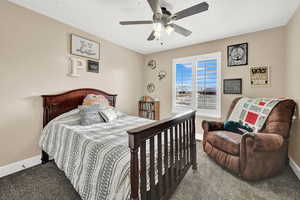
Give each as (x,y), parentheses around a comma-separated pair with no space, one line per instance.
(149,109)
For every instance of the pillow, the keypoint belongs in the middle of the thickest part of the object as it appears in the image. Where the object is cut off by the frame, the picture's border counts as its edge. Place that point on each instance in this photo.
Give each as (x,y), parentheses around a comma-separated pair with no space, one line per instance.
(92,99)
(90,115)
(236,127)
(109,114)
(119,113)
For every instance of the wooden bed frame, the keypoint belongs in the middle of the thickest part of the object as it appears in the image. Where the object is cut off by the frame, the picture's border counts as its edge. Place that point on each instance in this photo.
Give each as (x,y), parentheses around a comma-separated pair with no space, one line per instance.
(177,131)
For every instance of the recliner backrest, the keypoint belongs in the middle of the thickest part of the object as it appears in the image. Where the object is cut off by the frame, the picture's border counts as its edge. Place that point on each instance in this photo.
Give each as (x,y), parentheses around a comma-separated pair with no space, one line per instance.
(279,120)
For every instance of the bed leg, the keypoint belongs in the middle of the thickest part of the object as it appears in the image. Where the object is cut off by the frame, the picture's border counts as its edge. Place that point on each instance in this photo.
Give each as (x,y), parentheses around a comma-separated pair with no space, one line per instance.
(45,157)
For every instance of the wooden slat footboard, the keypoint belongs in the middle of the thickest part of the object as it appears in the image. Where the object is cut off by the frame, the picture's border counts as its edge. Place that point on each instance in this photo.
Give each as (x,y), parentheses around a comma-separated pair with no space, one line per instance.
(171,144)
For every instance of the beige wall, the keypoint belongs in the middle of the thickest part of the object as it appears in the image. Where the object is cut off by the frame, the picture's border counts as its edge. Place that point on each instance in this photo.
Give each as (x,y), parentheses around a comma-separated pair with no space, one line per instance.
(34,61)
(265,48)
(293,80)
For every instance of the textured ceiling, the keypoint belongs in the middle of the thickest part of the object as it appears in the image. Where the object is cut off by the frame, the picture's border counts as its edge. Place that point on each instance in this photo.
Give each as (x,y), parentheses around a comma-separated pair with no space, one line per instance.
(223,19)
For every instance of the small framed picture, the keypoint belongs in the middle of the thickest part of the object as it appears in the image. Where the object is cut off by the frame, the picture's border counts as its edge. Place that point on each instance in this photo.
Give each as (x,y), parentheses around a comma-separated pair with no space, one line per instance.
(84,47)
(233,86)
(260,76)
(93,66)
(237,55)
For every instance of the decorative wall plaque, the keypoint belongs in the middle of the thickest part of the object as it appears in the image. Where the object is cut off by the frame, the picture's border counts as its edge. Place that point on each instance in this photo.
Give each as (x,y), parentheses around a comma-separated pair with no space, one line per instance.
(232,86)
(237,55)
(161,74)
(152,64)
(260,76)
(84,47)
(93,66)
(151,87)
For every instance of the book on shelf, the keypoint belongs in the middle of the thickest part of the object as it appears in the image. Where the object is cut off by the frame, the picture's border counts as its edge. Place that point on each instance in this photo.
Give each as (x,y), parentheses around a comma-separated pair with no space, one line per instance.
(149,109)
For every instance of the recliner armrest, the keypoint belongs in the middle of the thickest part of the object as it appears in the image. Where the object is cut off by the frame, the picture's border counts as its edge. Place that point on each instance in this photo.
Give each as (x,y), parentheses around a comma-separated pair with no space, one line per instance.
(212,125)
(264,141)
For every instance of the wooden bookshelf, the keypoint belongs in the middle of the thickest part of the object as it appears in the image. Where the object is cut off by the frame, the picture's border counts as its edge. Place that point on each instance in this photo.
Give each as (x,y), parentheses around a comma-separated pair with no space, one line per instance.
(149,109)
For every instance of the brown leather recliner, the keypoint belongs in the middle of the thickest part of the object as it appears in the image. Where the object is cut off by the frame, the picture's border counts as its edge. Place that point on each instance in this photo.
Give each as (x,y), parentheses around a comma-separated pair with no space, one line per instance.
(252,157)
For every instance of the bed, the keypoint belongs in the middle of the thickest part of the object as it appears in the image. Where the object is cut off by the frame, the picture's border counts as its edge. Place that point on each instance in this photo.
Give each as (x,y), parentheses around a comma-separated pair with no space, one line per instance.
(130,158)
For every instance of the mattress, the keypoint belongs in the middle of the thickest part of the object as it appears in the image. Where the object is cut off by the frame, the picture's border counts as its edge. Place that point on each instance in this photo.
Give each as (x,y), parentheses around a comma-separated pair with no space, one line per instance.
(95,158)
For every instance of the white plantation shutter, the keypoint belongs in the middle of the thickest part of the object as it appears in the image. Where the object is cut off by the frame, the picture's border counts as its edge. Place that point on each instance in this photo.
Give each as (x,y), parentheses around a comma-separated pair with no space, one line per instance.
(207,84)
(196,84)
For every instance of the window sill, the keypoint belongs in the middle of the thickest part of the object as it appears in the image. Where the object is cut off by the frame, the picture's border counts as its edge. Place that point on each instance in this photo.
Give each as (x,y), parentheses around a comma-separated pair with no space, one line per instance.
(180,110)
(199,113)
(214,116)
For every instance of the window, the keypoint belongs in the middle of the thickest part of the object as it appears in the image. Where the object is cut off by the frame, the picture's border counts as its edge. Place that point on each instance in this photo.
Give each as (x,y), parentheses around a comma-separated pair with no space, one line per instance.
(197,83)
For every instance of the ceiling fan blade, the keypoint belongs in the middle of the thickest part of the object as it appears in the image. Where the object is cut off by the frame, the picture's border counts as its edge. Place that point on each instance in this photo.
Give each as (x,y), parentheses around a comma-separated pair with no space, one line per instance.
(155,6)
(135,22)
(191,11)
(151,36)
(181,30)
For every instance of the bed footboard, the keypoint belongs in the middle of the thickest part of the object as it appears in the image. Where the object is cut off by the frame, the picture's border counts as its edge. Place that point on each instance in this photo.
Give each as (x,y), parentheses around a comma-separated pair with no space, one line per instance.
(161,154)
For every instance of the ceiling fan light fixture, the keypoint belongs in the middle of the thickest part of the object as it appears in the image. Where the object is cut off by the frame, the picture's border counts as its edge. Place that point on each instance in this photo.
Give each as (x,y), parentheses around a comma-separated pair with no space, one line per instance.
(169,29)
(163,19)
(157,35)
(157,26)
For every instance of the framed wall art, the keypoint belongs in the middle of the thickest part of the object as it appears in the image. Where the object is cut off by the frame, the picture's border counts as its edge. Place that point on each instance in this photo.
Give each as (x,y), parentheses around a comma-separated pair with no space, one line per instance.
(84,47)
(233,86)
(93,66)
(260,76)
(237,55)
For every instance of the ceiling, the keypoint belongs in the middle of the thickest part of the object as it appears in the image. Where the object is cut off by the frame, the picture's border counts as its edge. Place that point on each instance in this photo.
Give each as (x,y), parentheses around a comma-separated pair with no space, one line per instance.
(224,18)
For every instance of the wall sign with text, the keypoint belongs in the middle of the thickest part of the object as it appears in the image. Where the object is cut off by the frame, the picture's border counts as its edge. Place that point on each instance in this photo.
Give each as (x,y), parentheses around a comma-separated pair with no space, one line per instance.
(233,86)
(260,76)
(84,47)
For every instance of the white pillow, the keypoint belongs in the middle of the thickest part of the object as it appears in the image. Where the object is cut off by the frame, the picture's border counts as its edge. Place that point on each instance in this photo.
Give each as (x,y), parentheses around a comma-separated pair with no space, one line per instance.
(90,115)
(109,114)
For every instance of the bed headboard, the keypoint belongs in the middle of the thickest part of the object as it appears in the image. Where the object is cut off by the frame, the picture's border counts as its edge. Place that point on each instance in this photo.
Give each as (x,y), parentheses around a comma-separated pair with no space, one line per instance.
(55,105)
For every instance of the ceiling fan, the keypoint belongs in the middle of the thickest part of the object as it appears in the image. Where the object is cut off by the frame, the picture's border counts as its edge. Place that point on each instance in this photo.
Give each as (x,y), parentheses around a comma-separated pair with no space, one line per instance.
(163,19)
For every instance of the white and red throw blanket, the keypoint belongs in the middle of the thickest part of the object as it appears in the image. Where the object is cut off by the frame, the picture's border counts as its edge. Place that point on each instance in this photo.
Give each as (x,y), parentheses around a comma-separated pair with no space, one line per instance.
(253,112)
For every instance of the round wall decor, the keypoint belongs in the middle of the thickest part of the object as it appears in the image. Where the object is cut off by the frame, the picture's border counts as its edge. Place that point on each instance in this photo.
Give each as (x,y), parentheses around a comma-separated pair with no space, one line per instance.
(152,64)
(150,87)
(162,74)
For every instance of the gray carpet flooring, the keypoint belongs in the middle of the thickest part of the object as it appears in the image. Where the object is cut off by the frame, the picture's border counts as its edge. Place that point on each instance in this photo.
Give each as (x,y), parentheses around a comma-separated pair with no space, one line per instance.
(209,182)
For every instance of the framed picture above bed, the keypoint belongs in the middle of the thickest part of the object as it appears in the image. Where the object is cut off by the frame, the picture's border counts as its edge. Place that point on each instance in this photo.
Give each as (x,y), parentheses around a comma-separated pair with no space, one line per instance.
(84,47)
(237,55)
(93,66)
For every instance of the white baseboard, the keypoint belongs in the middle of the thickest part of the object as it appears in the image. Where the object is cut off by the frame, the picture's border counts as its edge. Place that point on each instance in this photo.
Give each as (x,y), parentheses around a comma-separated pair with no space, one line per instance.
(295,168)
(19,165)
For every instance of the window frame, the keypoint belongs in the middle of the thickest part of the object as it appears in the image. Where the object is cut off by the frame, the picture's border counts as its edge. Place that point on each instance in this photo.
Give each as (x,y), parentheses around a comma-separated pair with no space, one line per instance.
(194,59)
